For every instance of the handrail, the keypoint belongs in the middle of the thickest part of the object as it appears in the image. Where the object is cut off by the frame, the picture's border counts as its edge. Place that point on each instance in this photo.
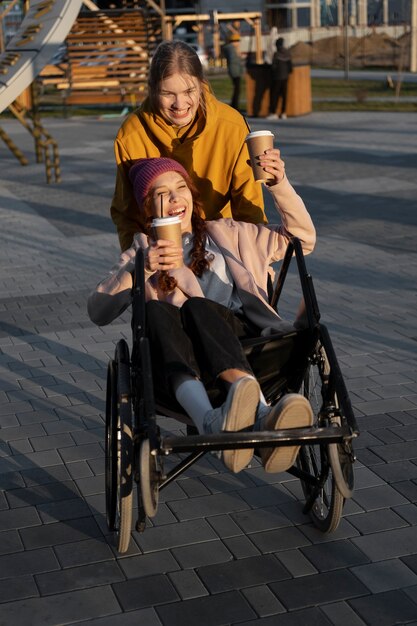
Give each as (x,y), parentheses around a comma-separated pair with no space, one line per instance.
(4,14)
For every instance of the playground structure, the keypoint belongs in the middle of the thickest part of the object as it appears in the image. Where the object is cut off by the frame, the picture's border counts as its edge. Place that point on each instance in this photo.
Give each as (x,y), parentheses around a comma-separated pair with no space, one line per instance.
(106,59)
(45,26)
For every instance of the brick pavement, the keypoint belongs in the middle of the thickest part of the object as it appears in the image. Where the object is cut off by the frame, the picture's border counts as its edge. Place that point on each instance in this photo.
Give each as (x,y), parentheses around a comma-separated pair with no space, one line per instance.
(223,549)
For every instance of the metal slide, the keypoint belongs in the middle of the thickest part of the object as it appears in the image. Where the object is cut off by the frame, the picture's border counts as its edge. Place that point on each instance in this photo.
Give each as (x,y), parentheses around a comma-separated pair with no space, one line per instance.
(44,28)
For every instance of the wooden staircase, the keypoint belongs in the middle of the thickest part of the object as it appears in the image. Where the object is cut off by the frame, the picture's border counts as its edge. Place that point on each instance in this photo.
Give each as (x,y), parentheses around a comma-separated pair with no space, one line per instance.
(107,56)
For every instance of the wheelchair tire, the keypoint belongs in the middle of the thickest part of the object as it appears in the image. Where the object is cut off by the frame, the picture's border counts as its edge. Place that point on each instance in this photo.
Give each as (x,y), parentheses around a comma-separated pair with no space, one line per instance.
(339,455)
(119,448)
(111,446)
(331,469)
(324,502)
(149,485)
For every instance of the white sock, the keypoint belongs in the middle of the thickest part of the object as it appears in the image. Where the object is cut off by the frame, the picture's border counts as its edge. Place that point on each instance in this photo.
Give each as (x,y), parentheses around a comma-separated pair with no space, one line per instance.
(192,396)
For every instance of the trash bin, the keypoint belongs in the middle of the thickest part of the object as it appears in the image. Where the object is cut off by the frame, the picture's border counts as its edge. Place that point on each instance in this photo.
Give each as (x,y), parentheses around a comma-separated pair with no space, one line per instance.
(299,100)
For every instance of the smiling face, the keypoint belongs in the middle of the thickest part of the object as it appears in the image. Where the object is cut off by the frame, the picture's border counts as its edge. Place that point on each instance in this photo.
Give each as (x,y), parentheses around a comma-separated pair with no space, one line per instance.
(171,192)
(179,98)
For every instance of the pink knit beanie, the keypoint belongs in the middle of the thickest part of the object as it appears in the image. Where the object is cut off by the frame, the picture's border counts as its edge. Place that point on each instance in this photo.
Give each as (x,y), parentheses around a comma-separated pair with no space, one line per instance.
(144,171)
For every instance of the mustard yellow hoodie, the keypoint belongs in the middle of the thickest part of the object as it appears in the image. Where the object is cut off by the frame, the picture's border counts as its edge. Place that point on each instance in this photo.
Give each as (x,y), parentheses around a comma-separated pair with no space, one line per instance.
(213,151)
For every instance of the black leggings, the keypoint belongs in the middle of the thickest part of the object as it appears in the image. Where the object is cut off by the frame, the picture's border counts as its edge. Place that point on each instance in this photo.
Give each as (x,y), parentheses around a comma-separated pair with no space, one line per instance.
(200,339)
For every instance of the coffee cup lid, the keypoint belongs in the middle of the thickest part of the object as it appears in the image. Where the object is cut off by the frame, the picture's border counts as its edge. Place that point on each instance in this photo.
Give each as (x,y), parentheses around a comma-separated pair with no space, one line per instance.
(162,221)
(259,133)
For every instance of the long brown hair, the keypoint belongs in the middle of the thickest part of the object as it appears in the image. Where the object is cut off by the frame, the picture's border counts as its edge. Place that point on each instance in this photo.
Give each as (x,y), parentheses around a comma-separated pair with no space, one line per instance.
(199,258)
(172,57)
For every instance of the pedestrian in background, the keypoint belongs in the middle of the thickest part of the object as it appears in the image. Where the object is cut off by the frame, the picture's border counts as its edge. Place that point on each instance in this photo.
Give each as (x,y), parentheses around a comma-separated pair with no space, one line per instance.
(281,68)
(233,57)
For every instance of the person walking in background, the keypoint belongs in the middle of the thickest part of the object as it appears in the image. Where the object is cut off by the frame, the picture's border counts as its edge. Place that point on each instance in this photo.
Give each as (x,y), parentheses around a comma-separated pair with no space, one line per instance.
(281,68)
(234,66)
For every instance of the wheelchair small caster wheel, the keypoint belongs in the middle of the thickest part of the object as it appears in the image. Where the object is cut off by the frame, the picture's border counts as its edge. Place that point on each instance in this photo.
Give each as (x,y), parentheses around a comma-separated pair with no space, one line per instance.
(149,476)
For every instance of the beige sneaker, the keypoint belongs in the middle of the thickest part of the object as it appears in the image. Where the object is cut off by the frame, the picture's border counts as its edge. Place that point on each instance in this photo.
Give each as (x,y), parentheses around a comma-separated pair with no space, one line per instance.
(292,411)
(237,412)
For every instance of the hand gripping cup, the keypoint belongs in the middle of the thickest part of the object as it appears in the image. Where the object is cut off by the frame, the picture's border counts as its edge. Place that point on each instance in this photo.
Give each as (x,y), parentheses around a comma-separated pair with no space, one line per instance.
(258,142)
(168,228)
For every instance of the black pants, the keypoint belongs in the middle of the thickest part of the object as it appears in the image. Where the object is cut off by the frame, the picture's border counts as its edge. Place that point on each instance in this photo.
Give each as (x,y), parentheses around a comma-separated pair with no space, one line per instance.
(236,92)
(200,339)
(278,90)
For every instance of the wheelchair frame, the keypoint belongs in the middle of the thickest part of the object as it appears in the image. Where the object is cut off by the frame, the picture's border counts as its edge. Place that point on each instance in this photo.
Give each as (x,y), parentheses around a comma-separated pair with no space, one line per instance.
(134,447)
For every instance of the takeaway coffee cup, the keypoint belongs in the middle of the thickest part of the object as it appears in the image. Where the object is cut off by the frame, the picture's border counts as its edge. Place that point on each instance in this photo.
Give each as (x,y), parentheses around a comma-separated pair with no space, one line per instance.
(168,228)
(258,142)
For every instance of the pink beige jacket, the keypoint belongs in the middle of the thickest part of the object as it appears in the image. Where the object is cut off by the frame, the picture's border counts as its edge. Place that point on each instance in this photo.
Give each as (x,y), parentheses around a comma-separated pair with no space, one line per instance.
(249,250)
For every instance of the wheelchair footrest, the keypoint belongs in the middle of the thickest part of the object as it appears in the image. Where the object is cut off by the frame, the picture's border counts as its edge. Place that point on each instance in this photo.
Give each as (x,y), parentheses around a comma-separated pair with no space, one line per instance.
(244,439)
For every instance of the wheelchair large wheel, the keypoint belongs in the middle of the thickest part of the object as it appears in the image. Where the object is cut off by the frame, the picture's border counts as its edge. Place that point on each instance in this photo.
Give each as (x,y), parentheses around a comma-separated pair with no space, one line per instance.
(329,464)
(119,448)
(149,475)
(111,445)
(324,502)
(333,407)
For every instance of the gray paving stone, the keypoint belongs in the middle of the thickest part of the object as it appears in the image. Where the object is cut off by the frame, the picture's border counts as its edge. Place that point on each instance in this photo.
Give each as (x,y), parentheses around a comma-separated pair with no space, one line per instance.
(173,535)
(187,584)
(266,496)
(83,552)
(241,547)
(133,618)
(296,563)
(95,575)
(397,471)
(223,608)
(277,540)
(65,510)
(146,592)
(334,555)
(263,601)
(31,562)
(408,513)
(147,564)
(44,493)
(380,497)
(10,542)
(385,575)
(314,590)
(62,608)
(375,521)
(201,554)
(392,607)
(389,544)
(295,618)
(20,518)
(12,589)
(208,505)
(80,453)
(247,572)
(267,518)
(342,614)
(225,526)
(59,532)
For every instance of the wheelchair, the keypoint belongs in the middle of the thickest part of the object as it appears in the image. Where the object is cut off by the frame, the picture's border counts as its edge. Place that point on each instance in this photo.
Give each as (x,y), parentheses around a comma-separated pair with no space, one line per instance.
(299,360)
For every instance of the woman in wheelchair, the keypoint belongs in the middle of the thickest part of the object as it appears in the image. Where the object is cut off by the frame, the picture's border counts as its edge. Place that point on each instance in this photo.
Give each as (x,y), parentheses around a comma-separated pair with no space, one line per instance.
(197,314)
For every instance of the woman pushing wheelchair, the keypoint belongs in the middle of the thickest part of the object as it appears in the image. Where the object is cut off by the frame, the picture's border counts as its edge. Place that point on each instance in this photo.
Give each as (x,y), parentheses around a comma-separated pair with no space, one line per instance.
(197,314)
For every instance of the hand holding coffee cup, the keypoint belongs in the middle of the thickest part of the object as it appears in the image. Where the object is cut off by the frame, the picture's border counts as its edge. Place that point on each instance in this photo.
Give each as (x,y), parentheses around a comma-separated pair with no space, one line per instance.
(272,163)
(165,252)
(258,142)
